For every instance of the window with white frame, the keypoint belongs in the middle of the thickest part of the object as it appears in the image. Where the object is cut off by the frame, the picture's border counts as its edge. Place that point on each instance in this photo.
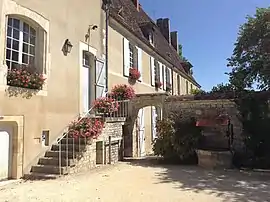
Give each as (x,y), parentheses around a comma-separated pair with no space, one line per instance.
(20,43)
(86,59)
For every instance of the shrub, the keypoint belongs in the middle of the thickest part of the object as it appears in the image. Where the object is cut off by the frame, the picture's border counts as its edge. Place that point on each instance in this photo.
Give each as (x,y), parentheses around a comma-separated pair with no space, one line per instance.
(177,139)
(122,92)
(25,77)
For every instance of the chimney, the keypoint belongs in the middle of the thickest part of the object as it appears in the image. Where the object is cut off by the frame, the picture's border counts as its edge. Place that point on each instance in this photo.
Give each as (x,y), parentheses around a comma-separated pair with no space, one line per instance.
(164,26)
(137,4)
(174,40)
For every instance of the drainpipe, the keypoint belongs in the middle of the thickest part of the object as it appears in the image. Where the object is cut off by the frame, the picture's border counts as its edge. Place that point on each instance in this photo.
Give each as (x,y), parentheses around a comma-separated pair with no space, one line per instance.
(107,4)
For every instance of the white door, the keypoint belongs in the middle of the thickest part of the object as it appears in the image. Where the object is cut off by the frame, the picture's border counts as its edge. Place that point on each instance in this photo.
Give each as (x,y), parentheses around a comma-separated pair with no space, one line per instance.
(4,154)
(141,129)
(100,79)
(85,75)
(154,123)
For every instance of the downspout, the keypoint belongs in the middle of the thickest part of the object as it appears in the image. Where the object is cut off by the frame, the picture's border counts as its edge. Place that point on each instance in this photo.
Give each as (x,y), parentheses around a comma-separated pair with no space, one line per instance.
(107,10)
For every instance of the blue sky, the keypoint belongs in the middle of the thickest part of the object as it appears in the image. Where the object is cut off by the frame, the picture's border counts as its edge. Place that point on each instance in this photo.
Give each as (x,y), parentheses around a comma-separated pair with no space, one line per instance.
(207,29)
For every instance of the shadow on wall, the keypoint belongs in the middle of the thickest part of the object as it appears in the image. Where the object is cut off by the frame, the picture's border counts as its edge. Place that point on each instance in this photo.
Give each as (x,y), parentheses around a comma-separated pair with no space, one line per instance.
(231,185)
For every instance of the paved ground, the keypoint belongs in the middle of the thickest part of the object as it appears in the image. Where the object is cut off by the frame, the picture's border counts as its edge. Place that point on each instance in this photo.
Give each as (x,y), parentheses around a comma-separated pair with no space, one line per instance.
(143,182)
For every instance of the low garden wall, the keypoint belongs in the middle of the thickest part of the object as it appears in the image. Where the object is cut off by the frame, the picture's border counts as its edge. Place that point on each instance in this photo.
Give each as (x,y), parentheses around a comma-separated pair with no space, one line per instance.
(187,106)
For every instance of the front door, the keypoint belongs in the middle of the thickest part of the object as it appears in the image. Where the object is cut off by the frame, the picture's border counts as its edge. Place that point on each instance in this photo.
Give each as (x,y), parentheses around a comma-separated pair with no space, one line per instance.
(100,79)
(85,74)
(4,154)
(141,132)
(154,121)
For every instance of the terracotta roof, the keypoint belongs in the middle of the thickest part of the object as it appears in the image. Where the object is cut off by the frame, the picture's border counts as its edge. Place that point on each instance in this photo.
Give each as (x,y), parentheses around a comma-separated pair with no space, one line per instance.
(132,19)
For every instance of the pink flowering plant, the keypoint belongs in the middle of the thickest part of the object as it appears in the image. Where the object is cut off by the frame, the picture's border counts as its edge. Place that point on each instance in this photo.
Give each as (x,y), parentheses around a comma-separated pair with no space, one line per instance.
(134,73)
(122,92)
(25,77)
(105,105)
(86,127)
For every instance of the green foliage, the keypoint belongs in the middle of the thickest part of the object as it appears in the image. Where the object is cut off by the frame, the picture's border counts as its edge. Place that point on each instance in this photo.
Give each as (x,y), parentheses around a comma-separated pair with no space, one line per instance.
(250,61)
(196,91)
(180,48)
(256,129)
(177,139)
(222,88)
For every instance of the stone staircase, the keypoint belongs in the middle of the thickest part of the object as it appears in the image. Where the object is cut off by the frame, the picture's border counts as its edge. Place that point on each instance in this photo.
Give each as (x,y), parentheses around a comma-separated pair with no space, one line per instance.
(49,166)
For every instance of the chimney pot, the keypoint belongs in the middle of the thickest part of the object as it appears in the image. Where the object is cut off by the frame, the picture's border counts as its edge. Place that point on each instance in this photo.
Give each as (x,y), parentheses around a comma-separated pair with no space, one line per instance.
(137,4)
(174,40)
(164,26)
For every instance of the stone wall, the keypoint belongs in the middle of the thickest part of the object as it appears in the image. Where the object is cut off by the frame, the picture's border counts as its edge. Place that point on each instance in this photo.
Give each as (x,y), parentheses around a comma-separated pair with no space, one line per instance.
(98,151)
(86,160)
(199,108)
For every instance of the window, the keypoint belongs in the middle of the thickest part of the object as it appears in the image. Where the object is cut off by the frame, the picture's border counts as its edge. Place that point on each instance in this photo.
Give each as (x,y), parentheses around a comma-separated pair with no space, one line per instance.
(151,38)
(178,84)
(191,87)
(20,44)
(186,87)
(86,59)
(157,71)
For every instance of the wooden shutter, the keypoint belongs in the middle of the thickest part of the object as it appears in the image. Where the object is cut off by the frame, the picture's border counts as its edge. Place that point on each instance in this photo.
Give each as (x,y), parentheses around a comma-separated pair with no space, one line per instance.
(165,77)
(152,69)
(170,76)
(160,72)
(140,62)
(126,56)
(100,78)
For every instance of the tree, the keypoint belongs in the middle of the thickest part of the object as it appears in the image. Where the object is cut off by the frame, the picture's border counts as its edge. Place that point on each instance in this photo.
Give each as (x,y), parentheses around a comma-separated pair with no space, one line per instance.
(250,60)
(180,51)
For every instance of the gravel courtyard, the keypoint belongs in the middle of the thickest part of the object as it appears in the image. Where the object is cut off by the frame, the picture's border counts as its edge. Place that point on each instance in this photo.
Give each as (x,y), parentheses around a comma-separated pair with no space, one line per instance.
(140,181)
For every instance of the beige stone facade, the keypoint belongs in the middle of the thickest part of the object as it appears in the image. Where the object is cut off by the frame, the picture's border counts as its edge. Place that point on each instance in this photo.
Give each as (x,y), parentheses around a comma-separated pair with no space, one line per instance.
(51,109)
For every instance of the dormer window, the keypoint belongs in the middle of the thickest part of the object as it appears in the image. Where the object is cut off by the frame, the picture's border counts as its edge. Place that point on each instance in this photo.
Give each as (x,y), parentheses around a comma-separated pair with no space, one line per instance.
(151,38)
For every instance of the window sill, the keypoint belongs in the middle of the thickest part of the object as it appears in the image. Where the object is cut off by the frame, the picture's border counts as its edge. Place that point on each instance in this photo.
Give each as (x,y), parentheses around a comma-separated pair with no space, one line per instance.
(19,90)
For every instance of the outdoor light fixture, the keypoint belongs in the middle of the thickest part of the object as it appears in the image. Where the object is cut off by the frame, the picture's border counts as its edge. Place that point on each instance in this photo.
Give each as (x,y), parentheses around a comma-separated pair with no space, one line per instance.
(67,47)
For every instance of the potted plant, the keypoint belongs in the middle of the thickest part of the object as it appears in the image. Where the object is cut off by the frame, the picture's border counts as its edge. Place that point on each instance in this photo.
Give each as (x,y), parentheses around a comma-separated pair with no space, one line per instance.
(87,127)
(134,74)
(158,84)
(105,105)
(122,92)
(25,77)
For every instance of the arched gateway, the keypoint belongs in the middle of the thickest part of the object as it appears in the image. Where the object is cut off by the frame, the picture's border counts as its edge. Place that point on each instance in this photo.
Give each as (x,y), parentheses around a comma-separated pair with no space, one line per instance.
(132,130)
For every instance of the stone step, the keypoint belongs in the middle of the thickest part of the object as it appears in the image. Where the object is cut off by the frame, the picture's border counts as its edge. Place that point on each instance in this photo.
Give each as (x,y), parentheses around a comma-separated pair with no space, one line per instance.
(70,147)
(48,169)
(55,161)
(40,176)
(64,154)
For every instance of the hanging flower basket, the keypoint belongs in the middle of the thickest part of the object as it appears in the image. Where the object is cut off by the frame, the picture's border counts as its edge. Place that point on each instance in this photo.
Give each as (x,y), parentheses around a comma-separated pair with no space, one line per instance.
(122,92)
(105,105)
(25,77)
(87,127)
(134,74)
(158,84)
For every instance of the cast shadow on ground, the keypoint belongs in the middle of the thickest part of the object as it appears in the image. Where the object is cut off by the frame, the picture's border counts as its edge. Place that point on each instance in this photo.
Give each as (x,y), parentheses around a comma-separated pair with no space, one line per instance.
(232,185)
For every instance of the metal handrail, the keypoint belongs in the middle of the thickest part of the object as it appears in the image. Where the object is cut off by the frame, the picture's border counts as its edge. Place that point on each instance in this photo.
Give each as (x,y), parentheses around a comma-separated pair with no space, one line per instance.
(85,115)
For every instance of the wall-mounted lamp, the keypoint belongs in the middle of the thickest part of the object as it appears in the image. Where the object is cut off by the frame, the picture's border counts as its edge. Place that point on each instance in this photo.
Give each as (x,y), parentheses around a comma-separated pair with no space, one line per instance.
(67,47)
(91,27)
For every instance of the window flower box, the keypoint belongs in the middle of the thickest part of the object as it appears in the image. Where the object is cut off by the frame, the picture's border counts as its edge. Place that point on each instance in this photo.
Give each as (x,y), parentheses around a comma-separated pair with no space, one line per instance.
(134,74)
(158,84)
(24,78)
